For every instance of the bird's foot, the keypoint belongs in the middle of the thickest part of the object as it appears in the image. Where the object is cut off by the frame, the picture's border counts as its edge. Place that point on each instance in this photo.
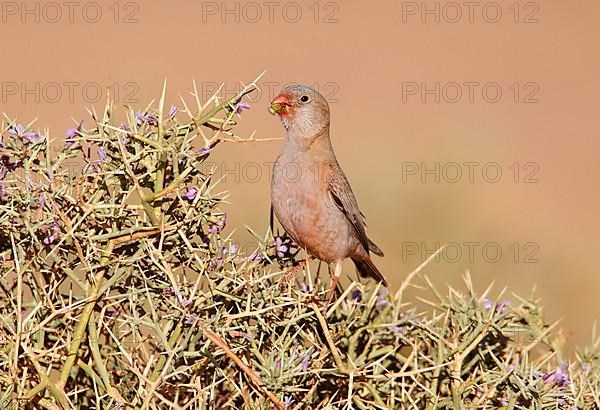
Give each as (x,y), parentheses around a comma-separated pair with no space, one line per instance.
(290,275)
(332,290)
(329,296)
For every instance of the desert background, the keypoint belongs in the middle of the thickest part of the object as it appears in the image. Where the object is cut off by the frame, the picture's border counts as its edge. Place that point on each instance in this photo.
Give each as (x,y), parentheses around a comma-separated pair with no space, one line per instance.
(474,126)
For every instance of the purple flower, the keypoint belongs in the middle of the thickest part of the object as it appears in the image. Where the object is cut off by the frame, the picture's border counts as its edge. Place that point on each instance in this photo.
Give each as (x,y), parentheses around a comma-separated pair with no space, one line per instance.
(191,193)
(52,232)
(356,295)
(190,320)
(241,106)
(183,302)
(278,364)
(255,257)
(219,226)
(168,291)
(288,401)
(32,137)
(147,118)
(16,130)
(73,133)
(172,111)
(502,306)
(222,222)
(399,330)
(102,154)
(205,150)
(232,249)
(560,376)
(50,239)
(19,130)
(281,246)
(6,165)
(306,360)
(216,262)
(488,303)
(112,313)
(381,301)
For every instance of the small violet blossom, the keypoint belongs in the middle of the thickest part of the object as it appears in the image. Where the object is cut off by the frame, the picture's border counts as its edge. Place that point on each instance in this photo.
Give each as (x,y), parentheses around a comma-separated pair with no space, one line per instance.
(255,257)
(172,111)
(73,133)
(191,193)
(288,401)
(381,301)
(102,156)
(53,231)
(6,165)
(488,303)
(501,307)
(232,249)
(205,150)
(190,320)
(147,118)
(306,288)
(282,247)
(306,360)
(219,226)
(183,302)
(241,106)
(559,376)
(18,130)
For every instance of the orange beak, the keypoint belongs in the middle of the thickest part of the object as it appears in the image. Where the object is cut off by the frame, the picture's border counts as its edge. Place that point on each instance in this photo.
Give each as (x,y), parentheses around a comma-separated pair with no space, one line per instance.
(280,105)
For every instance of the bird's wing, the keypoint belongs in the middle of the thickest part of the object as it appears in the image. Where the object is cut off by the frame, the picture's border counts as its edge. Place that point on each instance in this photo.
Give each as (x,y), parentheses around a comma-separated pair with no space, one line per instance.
(341,193)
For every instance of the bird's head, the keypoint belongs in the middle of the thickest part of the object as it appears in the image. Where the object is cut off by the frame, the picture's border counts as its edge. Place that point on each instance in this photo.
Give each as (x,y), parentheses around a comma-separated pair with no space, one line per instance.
(302,110)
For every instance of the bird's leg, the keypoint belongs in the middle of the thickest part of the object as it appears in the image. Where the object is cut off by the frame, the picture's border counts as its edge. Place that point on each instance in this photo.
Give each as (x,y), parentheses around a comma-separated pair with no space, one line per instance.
(318,271)
(289,276)
(337,274)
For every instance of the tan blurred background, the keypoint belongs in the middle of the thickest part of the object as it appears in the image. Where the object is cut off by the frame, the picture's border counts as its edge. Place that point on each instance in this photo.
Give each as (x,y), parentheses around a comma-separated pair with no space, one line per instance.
(378,64)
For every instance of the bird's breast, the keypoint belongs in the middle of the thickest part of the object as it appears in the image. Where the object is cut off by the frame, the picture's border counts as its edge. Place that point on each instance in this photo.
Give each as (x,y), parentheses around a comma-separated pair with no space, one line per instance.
(295,192)
(303,207)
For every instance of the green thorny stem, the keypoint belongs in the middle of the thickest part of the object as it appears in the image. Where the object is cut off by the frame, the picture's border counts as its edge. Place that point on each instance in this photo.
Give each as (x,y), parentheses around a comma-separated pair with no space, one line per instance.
(202,119)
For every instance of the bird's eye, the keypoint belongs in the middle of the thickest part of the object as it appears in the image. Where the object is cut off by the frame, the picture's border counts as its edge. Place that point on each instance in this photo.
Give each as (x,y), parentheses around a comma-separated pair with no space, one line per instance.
(305,99)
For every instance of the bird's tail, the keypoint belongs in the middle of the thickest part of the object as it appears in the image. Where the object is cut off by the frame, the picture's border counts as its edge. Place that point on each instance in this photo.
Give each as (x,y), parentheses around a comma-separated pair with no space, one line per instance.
(367,268)
(374,248)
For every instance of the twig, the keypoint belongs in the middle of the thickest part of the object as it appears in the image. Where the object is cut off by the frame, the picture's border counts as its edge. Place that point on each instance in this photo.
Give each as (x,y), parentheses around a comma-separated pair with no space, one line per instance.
(256,380)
